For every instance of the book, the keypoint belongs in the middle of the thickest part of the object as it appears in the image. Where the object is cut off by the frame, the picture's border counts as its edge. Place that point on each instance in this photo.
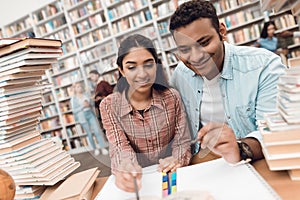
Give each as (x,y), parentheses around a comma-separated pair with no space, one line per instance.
(20,90)
(293,62)
(280,148)
(27,140)
(27,42)
(294,174)
(289,88)
(291,116)
(151,186)
(46,172)
(224,181)
(9,135)
(7,41)
(59,174)
(10,123)
(217,178)
(26,69)
(34,97)
(26,152)
(19,96)
(11,109)
(77,186)
(277,137)
(44,61)
(290,79)
(17,136)
(282,162)
(35,194)
(18,82)
(32,159)
(276,122)
(29,57)
(22,112)
(12,128)
(51,164)
(32,162)
(30,50)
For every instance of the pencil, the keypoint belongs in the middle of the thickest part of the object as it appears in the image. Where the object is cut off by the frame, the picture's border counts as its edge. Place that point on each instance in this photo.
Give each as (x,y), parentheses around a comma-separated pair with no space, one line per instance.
(136,189)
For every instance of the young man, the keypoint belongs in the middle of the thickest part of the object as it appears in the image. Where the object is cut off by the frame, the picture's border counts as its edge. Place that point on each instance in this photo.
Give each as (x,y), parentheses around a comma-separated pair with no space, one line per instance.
(225,88)
(99,89)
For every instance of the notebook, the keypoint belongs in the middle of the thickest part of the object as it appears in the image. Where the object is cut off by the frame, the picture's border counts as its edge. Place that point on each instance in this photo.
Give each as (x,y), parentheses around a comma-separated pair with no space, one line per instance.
(151,186)
(217,178)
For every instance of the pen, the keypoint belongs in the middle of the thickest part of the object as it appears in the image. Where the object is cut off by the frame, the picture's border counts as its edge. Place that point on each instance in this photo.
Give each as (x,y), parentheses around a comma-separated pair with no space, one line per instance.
(136,189)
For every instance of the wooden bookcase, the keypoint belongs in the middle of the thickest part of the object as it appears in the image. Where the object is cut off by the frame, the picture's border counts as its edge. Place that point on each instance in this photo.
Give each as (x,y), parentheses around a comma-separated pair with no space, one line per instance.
(91,32)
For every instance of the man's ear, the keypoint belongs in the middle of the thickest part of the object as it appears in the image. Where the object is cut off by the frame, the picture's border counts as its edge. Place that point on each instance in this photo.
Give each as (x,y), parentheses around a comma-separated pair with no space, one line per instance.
(223,31)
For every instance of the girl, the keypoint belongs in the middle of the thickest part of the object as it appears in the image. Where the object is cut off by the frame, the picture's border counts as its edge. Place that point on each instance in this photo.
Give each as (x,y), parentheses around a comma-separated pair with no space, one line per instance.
(144,119)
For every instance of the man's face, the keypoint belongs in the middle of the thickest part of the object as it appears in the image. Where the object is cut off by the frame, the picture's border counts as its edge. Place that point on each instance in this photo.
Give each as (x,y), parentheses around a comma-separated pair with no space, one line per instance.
(94,77)
(199,46)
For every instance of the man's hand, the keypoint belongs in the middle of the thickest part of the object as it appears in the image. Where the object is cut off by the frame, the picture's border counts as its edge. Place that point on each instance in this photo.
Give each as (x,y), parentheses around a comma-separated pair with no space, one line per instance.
(221,140)
(125,175)
(169,164)
(285,34)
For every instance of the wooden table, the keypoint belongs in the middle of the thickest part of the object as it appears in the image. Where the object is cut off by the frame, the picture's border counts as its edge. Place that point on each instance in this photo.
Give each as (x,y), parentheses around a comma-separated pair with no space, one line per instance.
(278,180)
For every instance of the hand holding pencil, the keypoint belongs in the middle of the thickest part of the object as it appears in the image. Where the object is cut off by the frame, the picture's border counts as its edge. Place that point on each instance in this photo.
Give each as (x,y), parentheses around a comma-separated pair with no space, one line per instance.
(221,140)
(128,176)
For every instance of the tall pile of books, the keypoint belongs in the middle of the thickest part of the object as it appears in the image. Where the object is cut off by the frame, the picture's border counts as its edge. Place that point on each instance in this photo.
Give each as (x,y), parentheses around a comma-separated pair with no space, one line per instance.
(281,130)
(32,162)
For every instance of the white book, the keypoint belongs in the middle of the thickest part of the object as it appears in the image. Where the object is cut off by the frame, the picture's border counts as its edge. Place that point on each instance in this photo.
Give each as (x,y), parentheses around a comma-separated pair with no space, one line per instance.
(224,181)
(30,50)
(29,57)
(59,175)
(151,186)
(217,178)
(290,79)
(28,62)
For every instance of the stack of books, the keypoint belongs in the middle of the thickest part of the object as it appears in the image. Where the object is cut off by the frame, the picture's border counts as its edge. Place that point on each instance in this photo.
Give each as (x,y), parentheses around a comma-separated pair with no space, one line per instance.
(281,130)
(32,162)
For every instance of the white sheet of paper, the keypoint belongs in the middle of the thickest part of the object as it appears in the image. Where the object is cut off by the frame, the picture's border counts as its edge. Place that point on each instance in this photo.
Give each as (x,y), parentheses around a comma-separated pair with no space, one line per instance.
(151,186)
(224,181)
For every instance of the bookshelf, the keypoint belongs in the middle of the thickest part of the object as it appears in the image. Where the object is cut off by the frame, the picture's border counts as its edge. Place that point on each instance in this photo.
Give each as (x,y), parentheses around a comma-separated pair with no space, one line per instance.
(91,32)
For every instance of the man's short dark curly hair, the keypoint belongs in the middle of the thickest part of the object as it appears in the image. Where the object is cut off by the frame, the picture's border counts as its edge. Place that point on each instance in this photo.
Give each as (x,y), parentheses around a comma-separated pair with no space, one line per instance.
(192,10)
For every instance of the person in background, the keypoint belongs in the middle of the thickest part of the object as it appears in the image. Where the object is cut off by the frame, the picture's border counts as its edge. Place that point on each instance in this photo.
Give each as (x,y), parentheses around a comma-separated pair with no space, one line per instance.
(267,38)
(84,114)
(225,88)
(102,89)
(144,119)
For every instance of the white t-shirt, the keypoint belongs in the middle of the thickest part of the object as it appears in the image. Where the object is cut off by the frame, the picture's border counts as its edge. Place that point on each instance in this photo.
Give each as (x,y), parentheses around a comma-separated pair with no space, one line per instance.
(212,109)
(296,34)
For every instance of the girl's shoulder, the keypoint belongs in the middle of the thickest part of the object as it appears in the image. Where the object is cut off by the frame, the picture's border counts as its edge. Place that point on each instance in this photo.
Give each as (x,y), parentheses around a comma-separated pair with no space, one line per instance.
(171,92)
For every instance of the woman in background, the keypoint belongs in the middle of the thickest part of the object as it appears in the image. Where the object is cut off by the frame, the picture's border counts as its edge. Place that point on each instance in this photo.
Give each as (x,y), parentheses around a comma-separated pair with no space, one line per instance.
(144,119)
(267,38)
(84,114)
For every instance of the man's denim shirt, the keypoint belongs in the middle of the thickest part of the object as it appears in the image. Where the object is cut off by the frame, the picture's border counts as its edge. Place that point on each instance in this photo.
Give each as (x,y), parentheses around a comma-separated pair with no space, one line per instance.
(248,87)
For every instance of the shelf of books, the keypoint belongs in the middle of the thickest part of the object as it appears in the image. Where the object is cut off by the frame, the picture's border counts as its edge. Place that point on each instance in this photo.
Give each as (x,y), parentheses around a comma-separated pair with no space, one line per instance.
(91,31)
